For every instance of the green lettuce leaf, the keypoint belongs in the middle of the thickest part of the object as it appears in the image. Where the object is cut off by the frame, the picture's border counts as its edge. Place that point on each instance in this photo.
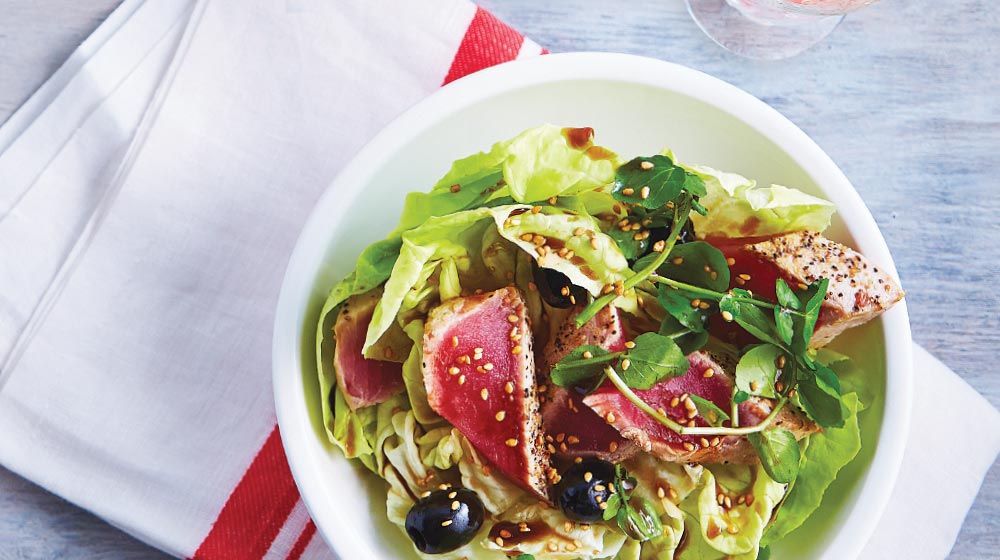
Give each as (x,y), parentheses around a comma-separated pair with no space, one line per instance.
(596,262)
(825,454)
(738,207)
(537,164)
(423,248)
(715,524)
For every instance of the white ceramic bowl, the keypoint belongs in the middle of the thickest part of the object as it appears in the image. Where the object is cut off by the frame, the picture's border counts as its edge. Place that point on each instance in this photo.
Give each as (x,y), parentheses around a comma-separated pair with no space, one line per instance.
(637,106)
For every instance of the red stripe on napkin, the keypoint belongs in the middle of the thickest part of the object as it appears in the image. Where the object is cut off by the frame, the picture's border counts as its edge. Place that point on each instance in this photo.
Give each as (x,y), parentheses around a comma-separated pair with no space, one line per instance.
(256,510)
(303,541)
(487,42)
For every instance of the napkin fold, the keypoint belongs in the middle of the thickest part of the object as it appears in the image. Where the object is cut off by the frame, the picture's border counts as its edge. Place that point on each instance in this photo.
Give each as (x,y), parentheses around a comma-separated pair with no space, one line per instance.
(150,193)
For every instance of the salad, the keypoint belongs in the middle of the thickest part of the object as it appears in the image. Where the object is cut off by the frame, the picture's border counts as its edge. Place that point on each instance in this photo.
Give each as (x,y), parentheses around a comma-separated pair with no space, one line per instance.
(561,353)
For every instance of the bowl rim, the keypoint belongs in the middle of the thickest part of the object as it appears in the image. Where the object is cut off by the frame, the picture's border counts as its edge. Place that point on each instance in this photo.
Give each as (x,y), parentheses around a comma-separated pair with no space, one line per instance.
(298,284)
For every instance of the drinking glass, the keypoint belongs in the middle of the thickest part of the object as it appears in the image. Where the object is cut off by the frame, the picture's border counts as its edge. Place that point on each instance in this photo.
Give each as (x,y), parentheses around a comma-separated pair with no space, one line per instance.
(770,29)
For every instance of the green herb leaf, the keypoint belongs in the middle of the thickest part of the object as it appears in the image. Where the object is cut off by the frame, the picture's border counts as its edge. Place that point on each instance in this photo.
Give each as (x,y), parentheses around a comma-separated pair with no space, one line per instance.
(614,504)
(812,299)
(575,368)
(662,182)
(654,358)
(785,324)
(697,263)
(530,557)
(763,554)
(786,297)
(749,316)
(819,395)
(687,340)
(626,241)
(741,397)
(641,522)
(779,453)
(677,303)
(757,370)
(712,414)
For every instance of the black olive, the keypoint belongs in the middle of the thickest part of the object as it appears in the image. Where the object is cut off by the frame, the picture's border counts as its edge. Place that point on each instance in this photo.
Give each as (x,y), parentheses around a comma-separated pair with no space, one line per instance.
(556,288)
(583,488)
(445,520)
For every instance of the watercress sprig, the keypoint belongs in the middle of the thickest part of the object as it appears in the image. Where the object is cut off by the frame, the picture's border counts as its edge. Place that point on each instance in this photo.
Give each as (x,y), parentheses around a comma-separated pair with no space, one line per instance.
(661,192)
(634,515)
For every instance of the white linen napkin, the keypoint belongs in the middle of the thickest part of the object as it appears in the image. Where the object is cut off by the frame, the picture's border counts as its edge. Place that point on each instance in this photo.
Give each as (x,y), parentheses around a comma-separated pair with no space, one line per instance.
(148,195)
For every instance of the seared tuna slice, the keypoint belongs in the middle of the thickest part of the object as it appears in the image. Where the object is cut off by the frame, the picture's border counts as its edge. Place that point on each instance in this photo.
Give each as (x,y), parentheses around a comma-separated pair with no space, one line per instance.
(479,373)
(859,291)
(572,429)
(706,379)
(363,382)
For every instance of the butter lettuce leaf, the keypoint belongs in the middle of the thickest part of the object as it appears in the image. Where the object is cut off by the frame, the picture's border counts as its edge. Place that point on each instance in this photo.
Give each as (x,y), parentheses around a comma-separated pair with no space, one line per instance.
(826,453)
(739,207)
(537,164)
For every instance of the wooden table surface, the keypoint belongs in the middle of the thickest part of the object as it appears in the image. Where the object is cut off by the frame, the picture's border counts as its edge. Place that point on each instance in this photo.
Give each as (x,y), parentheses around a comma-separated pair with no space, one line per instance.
(905,96)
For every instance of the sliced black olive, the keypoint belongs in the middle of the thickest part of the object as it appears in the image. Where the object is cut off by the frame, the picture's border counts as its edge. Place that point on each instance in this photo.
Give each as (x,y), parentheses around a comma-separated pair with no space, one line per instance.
(445,520)
(583,488)
(556,288)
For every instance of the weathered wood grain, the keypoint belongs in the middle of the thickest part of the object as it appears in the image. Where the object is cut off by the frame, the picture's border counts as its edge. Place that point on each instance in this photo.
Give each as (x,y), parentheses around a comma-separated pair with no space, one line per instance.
(905,96)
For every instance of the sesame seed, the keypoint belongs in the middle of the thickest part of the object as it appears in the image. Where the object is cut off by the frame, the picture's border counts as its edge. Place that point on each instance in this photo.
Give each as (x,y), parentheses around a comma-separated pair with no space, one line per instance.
(729,502)
(678,260)
(499,541)
(644,193)
(505,533)
(685,397)
(512,318)
(564,291)
(446,522)
(516,350)
(451,495)
(480,369)
(695,302)
(745,277)
(488,366)
(749,499)
(628,191)
(780,361)
(610,418)
(453,370)
(552,547)
(690,423)
(578,231)
(553,200)
(613,446)
(536,209)
(716,441)
(721,498)
(733,529)
(454,341)
(704,442)
(477,350)
(425,494)
(692,413)
(509,387)
(511,442)
(568,526)
(588,354)
(593,243)
(526,237)
(688,446)
(455,188)
(551,448)
(523,527)
(704,305)
(629,344)
(646,165)
(484,394)
(588,476)
(709,372)
(753,386)
(730,261)
(455,505)
(779,386)
(500,416)
(578,460)
(461,379)
(727,316)
(626,363)
(572,440)
(741,500)
(659,246)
